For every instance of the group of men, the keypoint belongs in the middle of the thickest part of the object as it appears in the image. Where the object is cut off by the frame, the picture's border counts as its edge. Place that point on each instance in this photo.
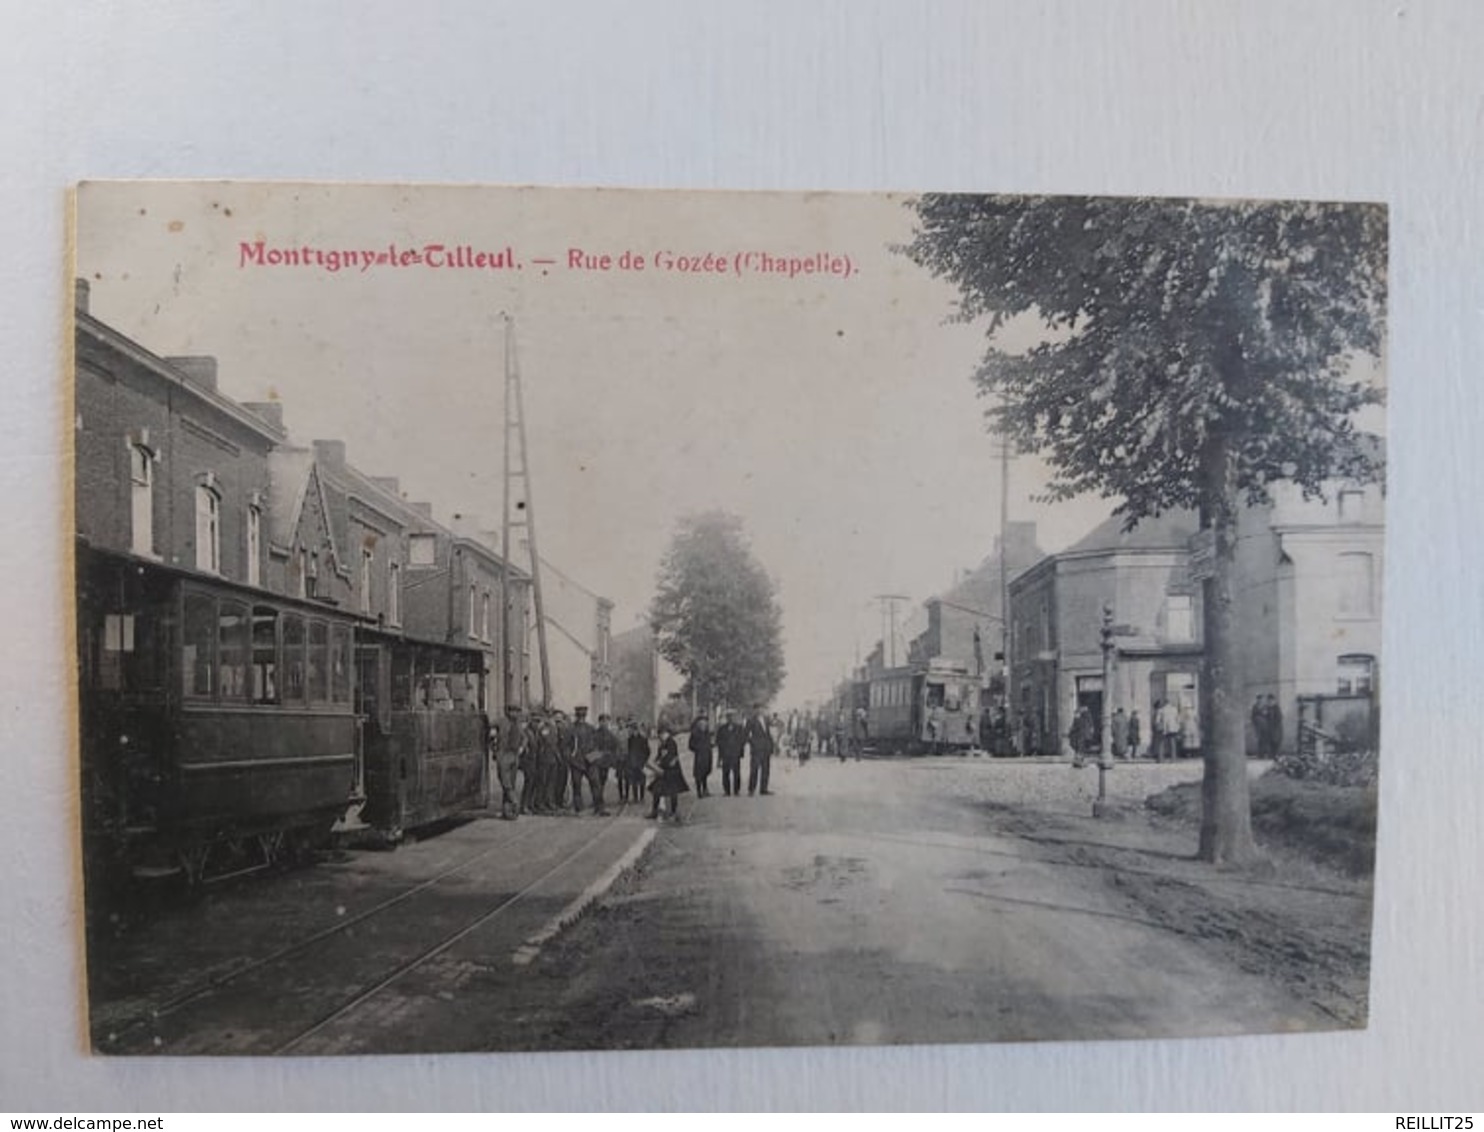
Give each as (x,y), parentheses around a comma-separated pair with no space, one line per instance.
(758,737)
(543,760)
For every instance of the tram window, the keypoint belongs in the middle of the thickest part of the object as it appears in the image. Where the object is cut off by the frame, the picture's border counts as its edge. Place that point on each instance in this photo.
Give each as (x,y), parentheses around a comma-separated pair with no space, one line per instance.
(935,695)
(264,654)
(232,638)
(319,662)
(401,679)
(340,664)
(198,650)
(293,658)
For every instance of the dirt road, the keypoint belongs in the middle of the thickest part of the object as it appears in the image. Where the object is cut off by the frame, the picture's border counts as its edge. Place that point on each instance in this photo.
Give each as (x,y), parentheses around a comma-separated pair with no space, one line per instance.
(944,900)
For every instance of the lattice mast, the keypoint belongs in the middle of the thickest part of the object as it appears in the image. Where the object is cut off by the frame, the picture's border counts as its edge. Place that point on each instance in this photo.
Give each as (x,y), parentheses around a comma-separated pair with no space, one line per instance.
(519,509)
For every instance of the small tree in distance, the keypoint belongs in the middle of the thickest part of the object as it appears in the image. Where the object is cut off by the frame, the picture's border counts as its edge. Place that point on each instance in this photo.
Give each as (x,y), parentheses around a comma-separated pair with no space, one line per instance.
(1195,352)
(716,615)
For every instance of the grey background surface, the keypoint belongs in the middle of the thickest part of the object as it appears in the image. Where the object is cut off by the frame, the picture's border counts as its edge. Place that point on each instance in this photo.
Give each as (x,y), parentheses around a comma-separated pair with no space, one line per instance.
(1326,98)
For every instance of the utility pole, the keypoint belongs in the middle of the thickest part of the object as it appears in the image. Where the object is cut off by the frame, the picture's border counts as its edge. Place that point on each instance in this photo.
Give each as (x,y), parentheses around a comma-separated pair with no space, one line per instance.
(889,604)
(515,439)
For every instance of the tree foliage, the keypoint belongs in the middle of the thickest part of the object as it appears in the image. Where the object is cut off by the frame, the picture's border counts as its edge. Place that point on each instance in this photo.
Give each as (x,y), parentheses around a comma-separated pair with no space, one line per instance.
(716,614)
(1194,352)
(1171,322)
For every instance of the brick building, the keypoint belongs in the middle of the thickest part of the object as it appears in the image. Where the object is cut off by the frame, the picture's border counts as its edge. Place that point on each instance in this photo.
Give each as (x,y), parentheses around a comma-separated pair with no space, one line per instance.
(1056,621)
(167,468)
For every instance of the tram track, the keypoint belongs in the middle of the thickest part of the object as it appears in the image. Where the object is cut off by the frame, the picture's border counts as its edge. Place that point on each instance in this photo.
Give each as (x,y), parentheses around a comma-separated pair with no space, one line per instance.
(448,941)
(153,1013)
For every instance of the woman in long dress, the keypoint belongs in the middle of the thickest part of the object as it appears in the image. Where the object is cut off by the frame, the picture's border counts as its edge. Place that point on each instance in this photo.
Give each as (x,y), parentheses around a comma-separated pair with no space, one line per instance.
(669,780)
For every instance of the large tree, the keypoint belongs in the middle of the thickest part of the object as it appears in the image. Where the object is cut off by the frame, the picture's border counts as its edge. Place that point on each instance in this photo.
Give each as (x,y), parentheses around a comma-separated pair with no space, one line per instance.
(1194,353)
(716,614)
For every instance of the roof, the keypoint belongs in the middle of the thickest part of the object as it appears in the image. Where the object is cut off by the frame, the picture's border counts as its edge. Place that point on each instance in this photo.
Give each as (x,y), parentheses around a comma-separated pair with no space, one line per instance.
(1169,531)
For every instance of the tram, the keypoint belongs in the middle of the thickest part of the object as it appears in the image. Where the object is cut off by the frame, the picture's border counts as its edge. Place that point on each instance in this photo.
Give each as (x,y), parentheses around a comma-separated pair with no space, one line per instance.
(224,728)
(422,731)
(216,720)
(921,708)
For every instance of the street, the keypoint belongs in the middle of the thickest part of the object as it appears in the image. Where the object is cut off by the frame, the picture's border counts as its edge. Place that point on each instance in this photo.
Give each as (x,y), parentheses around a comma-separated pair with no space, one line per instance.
(910,901)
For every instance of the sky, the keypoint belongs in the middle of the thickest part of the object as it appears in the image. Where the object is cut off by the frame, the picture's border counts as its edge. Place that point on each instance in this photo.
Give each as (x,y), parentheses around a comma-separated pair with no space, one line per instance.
(834,413)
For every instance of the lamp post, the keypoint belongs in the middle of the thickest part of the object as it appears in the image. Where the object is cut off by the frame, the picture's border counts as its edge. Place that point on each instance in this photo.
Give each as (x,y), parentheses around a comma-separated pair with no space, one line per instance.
(1105,755)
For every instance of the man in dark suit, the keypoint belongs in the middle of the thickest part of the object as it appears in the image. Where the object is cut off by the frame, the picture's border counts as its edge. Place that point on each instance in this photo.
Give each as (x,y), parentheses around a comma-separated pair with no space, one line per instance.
(730,739)
(760,749)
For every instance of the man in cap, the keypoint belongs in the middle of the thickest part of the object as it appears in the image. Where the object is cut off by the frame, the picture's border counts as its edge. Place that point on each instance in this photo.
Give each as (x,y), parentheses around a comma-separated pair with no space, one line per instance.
(509,743)
(730,739)
(583,761)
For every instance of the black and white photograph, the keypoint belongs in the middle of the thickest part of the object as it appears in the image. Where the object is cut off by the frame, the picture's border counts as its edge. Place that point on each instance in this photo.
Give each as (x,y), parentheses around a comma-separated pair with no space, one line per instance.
(539,619)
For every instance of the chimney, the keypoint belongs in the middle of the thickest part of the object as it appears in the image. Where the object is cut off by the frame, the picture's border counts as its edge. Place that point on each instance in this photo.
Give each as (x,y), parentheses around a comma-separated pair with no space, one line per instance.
(389,484)
(199,370)
(423,509)
(270,411)
(81,291)
(330,453)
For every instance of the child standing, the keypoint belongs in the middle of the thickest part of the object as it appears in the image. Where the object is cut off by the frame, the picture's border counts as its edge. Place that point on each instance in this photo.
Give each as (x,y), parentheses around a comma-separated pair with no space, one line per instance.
(669,781)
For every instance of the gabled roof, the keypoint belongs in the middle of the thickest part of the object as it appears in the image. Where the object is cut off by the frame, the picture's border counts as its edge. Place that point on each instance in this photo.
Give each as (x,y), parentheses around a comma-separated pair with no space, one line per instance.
(1170,531)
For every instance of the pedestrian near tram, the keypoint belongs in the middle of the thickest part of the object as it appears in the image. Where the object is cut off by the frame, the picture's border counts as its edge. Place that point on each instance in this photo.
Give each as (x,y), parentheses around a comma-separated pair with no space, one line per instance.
(508,745)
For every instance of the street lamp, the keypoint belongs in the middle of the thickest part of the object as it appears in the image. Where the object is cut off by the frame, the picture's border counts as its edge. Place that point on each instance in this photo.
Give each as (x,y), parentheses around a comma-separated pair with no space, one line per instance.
(1105,756)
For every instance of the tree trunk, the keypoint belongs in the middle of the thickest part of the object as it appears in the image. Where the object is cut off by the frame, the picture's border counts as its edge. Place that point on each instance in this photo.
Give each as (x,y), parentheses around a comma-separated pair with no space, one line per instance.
(1226,810)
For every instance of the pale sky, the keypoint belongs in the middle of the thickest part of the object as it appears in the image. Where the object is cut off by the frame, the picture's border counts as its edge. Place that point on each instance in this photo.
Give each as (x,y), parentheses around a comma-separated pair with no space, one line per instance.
(835,415)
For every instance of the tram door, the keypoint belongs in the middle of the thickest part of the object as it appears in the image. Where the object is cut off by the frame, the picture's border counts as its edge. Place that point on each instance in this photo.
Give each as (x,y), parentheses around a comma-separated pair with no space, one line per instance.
(373,704)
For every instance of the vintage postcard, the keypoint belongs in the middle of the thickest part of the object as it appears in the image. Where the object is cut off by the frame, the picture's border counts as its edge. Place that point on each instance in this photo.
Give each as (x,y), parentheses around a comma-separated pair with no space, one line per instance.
(540,619)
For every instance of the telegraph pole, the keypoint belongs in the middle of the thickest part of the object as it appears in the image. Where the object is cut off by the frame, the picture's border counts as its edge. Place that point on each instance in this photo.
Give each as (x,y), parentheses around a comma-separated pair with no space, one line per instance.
(889,604)
(515,440)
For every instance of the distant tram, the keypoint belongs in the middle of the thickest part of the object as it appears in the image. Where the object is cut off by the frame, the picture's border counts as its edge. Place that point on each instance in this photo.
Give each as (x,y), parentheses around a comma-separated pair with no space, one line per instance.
(921,708)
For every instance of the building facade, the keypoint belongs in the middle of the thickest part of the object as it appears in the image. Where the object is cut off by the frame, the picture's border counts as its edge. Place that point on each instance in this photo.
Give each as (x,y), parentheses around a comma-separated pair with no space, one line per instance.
(579,643)
(1309,606)
(1057,606)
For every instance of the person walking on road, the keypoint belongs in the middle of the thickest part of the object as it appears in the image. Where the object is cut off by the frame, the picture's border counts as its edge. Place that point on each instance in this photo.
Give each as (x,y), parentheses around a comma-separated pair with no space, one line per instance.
(1118,734)
(760,752)
(508,744)
(636,757)
(669,780)
(700,748)
(1135,734)
(1167,731)
(730,739)
(583,759)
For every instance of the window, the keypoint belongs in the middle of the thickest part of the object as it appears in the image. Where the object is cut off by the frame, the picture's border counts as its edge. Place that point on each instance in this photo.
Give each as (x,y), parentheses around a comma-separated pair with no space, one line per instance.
(1355,585)
(294,683)
(318,683)
(301,583)
(340,664)
(232,650)
(473,593)
(394,593)
(366,559)
(1179,625)
(264,655)
(254,545)
(422,549)
(1357,675)
(198,645)
(311,576)
(208,529)
(484,617)
(141,499)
